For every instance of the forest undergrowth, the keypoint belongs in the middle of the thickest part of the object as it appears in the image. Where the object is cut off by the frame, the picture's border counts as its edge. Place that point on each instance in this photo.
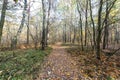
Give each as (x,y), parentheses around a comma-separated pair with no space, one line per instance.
(93,69)
(21,64)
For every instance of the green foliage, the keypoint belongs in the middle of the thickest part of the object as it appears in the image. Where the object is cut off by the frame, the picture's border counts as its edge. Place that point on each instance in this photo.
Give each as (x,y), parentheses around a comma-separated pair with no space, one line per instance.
(110,78)
(21,65)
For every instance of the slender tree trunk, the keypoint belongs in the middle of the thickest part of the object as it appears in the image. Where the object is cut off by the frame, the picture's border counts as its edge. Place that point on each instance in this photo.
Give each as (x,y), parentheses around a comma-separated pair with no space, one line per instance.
(86,22)
(80,25)
(23,19)
(90,37)
(74,36)
(48,23)
(70,34)
(14,40)
(36,37)
(3,17)
(99,30)
(28,30)
(43,26)
(81,32)
(94,36)
(28,33)
(105,37)
(64,34)
(65,38)
(116,36)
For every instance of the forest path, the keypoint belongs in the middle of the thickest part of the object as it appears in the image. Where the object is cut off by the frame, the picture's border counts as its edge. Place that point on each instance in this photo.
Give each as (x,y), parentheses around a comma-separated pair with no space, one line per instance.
(59,65)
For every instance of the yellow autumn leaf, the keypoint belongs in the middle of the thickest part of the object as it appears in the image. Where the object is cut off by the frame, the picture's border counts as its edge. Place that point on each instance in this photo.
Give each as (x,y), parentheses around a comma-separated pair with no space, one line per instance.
(68,74)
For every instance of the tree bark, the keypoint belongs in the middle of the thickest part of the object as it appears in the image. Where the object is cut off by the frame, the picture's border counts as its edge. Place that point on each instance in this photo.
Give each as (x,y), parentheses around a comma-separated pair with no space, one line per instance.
(64,34)
(43,27)
(99,30)
(74,36)
(86,22)
(23,19)
(48,24)
(105,37)
(3,17)
(93,24)
(80,25)
(28,25)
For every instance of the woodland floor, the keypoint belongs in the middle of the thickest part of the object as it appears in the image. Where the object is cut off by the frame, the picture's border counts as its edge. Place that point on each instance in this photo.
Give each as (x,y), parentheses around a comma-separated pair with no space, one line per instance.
(65,62)
(69,63)
(59,66)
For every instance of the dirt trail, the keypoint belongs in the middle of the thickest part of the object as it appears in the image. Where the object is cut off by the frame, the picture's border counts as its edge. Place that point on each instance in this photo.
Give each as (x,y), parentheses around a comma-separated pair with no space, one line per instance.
(59,66)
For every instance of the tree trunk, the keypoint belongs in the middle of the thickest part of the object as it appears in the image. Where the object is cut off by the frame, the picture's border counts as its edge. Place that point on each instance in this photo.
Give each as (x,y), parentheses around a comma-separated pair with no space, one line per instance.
(14,42)
(36,37)
(86,22)
(28,30)
(80,25)
(43,26)
(94,36)
(48,23)
(3,17)
(74,36)
(65,35)
(105,38)
(99,30)
(70,34)
(23,19)
(106,32)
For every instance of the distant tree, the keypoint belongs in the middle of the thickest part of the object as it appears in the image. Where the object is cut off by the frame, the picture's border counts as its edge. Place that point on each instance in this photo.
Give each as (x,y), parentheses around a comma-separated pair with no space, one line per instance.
(64,34)
(74,34)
